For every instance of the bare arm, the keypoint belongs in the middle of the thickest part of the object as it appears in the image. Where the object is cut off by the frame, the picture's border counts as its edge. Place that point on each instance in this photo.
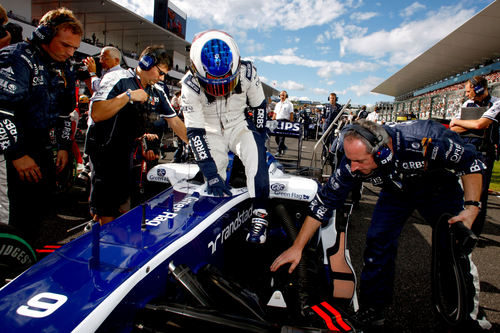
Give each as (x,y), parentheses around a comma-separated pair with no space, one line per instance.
(91,67)
(294,253)
(460,125)
(5,41)
(103,110)
(178,127)
(472,192)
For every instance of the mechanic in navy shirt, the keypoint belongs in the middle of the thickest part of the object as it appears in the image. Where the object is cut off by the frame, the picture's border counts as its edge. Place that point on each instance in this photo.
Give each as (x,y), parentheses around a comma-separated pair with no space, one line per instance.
(37,94)
(412,162)
(332,109)
(121,110)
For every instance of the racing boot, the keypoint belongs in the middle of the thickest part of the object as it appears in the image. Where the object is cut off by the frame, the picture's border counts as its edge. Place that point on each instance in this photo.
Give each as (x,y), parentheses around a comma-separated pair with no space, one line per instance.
(258,229)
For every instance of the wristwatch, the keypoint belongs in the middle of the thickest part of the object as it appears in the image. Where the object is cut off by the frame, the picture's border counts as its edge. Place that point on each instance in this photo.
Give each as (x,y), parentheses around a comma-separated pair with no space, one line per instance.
(128,93)
(473,203)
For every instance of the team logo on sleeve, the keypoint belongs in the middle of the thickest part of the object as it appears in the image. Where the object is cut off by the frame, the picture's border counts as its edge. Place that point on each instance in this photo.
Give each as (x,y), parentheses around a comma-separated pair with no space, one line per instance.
(189,82)
(248,69)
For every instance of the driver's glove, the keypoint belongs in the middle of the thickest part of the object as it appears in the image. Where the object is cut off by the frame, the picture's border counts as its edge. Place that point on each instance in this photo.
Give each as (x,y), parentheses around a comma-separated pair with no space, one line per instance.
(217,187)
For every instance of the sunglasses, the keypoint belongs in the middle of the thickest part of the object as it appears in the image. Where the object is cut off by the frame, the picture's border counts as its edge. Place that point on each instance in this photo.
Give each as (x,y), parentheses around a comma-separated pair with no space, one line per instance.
(160,71)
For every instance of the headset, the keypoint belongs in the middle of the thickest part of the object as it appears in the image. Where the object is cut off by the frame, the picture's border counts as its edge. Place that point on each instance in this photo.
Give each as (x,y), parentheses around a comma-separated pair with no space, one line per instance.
(383,154)
(44,33)
(150,59)
(477,86)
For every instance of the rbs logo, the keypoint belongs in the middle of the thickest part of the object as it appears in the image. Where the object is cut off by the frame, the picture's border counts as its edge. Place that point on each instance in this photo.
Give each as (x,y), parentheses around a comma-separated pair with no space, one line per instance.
(198,148)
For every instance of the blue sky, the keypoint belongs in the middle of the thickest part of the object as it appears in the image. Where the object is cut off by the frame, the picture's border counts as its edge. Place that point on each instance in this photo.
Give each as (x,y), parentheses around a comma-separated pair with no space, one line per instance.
(313,47)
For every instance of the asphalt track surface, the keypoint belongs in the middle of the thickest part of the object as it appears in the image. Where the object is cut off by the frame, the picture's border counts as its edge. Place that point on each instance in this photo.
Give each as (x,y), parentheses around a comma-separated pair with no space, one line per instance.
(412,309)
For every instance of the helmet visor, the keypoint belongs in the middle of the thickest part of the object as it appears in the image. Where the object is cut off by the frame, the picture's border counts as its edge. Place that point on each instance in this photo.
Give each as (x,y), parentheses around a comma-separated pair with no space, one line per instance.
(219,86)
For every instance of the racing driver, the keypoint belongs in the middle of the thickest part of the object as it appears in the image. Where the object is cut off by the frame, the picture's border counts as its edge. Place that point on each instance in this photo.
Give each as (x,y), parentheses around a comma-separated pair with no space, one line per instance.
(215,94)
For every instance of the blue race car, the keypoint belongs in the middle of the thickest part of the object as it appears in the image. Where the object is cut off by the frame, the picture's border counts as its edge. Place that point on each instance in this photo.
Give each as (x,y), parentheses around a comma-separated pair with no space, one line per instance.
(179,262)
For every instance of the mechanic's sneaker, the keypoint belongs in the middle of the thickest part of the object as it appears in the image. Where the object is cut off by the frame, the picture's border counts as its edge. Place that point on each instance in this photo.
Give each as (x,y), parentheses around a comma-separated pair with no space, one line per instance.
(369,317)
(258,230)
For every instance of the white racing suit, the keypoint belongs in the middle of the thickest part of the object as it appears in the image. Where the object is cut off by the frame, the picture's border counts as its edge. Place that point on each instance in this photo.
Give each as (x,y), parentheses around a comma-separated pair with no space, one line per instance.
(217,125)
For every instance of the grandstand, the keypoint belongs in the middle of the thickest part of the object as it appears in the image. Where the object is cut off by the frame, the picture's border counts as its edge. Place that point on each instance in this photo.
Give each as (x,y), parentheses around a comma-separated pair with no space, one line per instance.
(432,85)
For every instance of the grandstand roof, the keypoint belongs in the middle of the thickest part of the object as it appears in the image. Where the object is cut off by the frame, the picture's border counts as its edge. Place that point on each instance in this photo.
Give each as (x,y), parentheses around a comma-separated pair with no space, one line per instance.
(123,27)
(476,41)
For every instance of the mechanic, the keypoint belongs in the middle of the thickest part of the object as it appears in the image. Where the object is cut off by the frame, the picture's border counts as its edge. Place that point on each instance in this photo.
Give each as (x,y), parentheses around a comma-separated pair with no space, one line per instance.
(37,95)
(362,114)
(214,96)
(283,111)
(332,109)
(121,109)
(411,162)
(486,130)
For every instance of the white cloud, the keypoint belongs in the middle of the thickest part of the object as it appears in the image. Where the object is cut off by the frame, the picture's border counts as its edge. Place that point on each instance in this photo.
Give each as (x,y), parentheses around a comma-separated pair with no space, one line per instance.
(252,46)
(325,68)
(412,9)
(289,52)
(291,85)
(359,16)
(339,30)
(365,86)
(262,14)
(321,91)
(142,8)
(302,98)
(407,41)
(324,49)
(354,3)
(295,40)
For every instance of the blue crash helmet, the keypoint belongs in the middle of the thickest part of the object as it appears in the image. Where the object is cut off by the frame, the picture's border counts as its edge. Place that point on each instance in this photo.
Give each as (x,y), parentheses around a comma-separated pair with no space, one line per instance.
(215,60)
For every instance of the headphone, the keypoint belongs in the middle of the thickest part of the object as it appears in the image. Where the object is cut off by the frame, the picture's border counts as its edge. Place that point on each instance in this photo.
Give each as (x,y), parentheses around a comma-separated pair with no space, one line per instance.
(150,59)
(383,154)
(44,33)
(477,86)
(328,99)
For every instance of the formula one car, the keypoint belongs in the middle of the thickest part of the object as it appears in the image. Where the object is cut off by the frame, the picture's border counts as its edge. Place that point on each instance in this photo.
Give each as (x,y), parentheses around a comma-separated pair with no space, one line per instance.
(179,262)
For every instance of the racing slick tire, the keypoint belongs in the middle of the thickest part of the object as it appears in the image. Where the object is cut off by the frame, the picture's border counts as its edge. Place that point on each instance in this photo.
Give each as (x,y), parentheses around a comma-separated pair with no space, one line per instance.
(451,246)
(16,255)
